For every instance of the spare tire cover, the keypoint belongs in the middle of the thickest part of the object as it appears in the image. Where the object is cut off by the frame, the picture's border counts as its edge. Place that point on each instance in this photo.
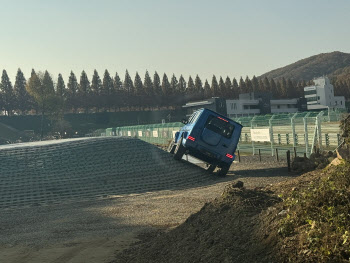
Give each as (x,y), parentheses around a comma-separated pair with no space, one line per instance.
(210,137)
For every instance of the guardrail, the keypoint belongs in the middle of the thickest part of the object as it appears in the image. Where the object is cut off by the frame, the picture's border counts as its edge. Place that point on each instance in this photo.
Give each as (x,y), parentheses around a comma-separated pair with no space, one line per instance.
(301,132)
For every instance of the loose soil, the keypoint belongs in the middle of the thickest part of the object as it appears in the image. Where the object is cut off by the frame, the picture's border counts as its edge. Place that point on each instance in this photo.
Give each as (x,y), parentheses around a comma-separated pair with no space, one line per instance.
(94,230)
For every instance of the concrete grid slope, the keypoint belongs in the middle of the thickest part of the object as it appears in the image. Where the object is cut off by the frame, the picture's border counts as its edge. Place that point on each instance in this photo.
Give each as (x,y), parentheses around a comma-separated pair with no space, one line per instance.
(89,169)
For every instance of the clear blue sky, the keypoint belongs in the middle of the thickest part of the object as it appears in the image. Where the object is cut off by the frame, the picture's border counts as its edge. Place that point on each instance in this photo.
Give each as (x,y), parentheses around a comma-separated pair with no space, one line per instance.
(222,37)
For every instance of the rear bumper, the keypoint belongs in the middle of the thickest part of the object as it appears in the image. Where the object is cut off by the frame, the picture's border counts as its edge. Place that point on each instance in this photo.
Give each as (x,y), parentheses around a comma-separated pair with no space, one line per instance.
(205,155)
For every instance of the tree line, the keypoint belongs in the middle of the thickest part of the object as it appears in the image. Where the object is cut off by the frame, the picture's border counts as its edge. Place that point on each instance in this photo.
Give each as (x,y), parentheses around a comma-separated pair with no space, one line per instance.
(41,95)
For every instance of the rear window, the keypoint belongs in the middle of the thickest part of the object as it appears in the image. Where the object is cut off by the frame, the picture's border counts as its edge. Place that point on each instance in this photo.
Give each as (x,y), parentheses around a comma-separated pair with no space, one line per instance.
(219,126)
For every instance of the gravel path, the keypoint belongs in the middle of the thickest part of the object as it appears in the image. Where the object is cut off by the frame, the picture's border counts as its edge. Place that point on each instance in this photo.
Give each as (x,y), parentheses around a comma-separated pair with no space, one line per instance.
(93,230)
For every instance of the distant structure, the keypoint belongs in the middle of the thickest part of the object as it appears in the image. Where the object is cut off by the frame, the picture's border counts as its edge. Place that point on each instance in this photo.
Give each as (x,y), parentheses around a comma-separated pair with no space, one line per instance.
(216,104)
(321,96)
(248,104)
(262,103)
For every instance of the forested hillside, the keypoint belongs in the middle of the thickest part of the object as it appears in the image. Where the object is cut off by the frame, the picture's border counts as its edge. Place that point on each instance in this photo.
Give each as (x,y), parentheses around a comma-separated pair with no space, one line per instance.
(42,94)
(312,67)
(335,65)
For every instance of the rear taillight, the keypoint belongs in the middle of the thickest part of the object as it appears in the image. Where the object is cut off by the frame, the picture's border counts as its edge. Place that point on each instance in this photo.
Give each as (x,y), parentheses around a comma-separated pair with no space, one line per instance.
(229,156)
(191,138)
(222,119)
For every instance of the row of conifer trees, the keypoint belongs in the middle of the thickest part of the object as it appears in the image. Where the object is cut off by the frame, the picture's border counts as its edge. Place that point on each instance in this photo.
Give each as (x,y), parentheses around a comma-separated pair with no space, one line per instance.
(111,93)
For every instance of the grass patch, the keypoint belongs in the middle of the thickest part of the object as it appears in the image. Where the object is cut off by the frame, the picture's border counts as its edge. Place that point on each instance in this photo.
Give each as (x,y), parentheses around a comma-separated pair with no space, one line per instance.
(318,216)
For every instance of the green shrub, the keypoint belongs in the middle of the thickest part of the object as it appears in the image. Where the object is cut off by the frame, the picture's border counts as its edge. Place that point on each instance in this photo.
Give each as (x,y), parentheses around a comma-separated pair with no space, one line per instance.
(320,215)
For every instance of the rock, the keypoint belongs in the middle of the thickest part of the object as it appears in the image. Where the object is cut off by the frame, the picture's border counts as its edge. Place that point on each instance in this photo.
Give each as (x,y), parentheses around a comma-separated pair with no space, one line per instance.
(282,213)
(336,162)
(238,184)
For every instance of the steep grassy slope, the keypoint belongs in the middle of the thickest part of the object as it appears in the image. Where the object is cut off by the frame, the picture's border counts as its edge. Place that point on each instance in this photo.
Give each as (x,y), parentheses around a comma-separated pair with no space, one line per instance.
(311,67)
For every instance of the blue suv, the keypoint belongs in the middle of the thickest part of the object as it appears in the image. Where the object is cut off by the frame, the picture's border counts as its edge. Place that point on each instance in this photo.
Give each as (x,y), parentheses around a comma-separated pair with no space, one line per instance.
(210,137)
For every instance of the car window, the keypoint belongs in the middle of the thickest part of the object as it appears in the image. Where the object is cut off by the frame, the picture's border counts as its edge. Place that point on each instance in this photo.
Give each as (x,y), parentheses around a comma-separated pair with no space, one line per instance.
(219,126)
(191,118)
(195,118)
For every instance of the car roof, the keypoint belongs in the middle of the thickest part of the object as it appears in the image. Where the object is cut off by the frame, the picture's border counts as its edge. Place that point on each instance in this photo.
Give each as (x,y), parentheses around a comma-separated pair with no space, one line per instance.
(236,123)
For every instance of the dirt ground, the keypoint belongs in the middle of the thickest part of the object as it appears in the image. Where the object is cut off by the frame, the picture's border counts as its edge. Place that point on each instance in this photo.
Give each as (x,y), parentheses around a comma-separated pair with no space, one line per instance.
(97,230)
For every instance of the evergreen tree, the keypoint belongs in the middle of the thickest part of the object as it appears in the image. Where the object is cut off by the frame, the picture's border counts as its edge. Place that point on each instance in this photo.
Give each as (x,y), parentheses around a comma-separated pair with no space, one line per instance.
(128,85)
(84,92)
(235,89)
(190,91)
(174,97)
(182,86)
(148,87)
(274,90)
(261,86)
(248,84)
(61,92)
(278,89)
(198,88)
(207,90)
(60,87)
(7,93)
(129,89)
(22,96)
(300,88)
(266,83)
(291,91)
(165,90)
(284,88)
(255,84)
(72,90)
(214,87)
(148,84)
(242,86)
(106,99)
(222,87)
(41,87)
(107,84)
(228,87)
(139,91)
(96,86)
(120,96)
(157,90)
(118,84)
(174,85)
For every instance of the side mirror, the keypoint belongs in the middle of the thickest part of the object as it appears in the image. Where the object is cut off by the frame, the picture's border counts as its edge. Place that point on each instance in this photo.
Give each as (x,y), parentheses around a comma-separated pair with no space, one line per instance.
(184,121)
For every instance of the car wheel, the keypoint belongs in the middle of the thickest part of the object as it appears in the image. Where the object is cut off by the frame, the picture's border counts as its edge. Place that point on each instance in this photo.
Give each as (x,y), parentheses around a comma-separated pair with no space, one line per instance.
(179,150)
(171,147)
(224,169)
(211,168)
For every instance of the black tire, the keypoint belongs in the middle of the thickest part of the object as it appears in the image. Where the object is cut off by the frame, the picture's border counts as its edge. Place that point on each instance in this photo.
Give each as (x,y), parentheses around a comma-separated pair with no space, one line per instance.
(211,168)
(171,147)
(224,169)
(179,150)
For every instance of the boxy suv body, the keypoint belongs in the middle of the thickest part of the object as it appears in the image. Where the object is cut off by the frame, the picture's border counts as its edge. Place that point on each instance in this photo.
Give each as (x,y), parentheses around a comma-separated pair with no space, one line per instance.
(210,137)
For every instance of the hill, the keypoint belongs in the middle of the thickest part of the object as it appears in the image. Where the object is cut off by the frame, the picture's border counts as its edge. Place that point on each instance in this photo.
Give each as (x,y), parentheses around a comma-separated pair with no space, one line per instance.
(330,64)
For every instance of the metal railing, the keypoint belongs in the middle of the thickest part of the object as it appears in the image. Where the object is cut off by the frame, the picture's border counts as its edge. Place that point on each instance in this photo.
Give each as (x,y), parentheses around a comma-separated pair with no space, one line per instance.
(300,132)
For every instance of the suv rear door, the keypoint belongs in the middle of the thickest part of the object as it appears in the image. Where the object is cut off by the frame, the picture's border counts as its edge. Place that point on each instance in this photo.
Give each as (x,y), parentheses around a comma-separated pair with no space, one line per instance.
(218,132)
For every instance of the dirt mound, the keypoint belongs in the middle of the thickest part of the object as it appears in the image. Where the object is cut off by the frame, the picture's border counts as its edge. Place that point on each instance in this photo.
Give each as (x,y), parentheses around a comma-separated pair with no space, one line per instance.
(316,161)
(225,230)
(53,172)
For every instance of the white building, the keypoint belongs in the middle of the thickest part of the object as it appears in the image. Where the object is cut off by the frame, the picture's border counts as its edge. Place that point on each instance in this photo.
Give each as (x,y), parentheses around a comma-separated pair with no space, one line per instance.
(259,103)
(246,105)
(321,95)
(236,108)
(287,106)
